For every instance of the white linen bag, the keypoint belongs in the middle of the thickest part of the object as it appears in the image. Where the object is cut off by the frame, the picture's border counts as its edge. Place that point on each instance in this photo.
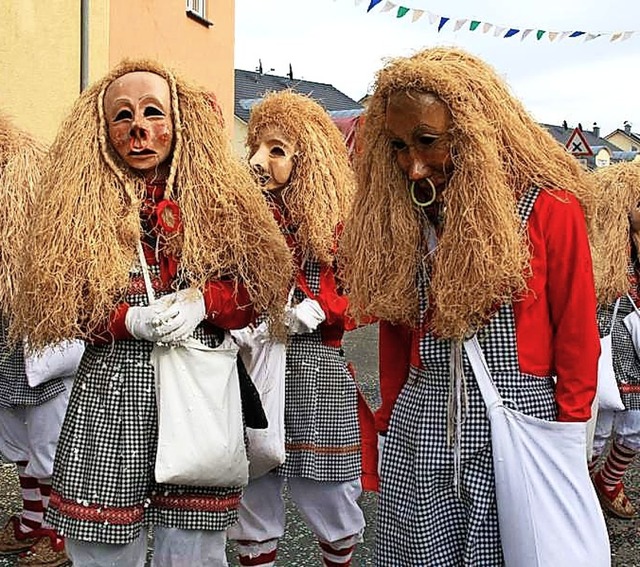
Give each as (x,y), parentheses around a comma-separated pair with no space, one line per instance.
(548,511)
(56,361)
(632,323)
(265,361)
(608,393)
(200,429)
(200,426)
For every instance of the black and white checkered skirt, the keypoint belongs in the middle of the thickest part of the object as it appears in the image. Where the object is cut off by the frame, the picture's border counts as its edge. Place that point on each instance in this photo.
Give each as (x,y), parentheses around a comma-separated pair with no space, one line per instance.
(322,434)
(626,363)
(103,483)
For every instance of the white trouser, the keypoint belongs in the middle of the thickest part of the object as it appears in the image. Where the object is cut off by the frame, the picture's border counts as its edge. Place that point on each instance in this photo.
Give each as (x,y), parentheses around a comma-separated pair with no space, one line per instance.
(30,433)
(623,425)
(172,547)
(330,509)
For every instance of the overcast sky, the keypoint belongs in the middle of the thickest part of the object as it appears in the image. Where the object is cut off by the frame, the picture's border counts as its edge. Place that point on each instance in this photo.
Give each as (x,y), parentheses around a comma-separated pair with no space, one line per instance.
(338,42)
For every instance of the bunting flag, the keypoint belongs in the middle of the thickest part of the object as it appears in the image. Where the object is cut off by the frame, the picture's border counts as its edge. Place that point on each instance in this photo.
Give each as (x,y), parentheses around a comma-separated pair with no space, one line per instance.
(499,30)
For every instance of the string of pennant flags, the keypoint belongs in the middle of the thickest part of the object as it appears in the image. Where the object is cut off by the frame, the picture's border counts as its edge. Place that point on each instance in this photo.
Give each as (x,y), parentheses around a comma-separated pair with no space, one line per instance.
(503,31)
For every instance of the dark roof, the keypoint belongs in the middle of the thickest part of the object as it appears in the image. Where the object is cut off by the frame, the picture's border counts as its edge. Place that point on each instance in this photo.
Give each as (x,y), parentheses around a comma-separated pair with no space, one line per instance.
(251,86)
(562,134)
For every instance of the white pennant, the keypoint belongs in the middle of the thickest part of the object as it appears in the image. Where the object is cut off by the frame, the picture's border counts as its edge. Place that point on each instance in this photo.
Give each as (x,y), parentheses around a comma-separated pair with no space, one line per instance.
(388,6)
(433,18)
(486,27)
(417,14)
(497,30)
(358,2)
(459,24)
(563,35)
(552,35)
(525,33)
(626,35)
(615,36)
(590,36)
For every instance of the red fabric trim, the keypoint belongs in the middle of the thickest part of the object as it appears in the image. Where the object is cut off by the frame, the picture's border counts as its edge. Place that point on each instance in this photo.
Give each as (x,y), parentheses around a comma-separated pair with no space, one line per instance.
(333,551)
(95,513)
(262,559)
(630,388)
(197,502)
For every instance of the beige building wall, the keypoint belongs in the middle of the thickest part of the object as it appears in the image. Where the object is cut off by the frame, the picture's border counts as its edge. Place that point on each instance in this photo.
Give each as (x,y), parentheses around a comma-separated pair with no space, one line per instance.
(40,51)
(239,137)
(160,29)
(40,55)
(623,142)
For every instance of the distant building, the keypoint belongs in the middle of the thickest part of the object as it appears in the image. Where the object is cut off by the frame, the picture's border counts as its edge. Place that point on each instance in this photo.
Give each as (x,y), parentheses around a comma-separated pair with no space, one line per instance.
(627,141)
(251,86)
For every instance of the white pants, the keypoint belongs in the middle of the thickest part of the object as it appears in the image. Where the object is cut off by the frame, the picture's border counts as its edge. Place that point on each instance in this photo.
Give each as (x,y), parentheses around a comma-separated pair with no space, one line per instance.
(624,426)
(172,547)
(330,509)
(30,433)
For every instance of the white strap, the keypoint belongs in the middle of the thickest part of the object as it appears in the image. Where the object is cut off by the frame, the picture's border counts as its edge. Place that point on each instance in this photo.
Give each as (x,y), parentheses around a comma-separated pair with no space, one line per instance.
(487,386)
(615,312)
(633,303)
(145,273)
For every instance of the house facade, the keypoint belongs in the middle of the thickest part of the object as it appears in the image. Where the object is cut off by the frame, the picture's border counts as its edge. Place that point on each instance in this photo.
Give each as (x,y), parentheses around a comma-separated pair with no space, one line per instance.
(51,50)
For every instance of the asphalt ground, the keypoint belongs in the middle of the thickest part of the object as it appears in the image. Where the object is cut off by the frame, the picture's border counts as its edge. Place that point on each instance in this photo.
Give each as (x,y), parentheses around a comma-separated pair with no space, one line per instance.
(298,548)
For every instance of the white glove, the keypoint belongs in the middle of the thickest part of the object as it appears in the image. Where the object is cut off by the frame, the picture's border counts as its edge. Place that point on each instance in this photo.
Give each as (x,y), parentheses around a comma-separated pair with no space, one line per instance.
(381,439)
(304,317)
(180,319)
(143,321)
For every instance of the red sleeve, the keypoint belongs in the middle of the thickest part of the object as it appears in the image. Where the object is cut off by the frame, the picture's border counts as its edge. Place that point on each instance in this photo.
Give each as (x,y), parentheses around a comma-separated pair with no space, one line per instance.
(394,351)
(331,300)
(572,306)
(115,330)
(228,304)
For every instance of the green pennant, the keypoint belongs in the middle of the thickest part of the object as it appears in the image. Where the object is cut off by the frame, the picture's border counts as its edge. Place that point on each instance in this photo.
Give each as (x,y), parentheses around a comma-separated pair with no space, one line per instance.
(540,33)
(474,24)
(402,11)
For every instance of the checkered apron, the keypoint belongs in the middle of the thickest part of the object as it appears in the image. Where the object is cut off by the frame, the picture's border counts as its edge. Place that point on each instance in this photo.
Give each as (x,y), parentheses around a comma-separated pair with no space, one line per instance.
(422,519)
(103,483)
(322,435)
(14,388)
(626,363)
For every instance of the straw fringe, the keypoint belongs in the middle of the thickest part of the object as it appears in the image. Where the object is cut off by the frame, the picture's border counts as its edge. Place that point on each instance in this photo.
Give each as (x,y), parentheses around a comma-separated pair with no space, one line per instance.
(617,193)
(322,184)
(83,235)
(499,152)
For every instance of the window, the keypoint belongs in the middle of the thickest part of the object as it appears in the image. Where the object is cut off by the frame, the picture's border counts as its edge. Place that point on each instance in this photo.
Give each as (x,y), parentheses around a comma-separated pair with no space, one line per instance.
(198,10)
(198,7)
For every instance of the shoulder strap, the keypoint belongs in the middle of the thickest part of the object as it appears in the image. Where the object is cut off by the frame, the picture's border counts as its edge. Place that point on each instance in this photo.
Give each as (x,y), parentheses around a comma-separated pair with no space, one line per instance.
(487,386)
(145,273)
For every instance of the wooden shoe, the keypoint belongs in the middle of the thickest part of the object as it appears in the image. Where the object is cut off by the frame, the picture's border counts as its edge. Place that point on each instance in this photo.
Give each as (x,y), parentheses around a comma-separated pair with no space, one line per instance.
(614,502)
(13,540)
(48,551)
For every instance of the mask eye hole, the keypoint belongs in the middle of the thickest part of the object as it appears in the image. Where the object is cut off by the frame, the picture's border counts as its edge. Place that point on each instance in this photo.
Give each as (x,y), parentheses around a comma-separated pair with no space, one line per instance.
(124,114)
(278,151)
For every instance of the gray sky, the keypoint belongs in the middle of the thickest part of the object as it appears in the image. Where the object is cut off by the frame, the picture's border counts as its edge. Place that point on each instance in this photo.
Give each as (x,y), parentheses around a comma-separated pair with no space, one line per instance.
(338,42)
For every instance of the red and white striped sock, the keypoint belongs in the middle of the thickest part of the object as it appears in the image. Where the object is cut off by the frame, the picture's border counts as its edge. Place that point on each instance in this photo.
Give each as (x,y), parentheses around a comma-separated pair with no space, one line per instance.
(618,459)
(593,464)
(338,553)
(32,510)
(257,553)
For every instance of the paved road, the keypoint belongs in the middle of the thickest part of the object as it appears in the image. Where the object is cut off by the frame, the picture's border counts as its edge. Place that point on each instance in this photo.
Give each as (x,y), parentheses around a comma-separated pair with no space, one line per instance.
(298,548)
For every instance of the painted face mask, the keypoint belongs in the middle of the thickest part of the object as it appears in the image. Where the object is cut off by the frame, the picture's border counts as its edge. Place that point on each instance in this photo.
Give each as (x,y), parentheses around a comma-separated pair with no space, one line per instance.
(137,108)
(272,159)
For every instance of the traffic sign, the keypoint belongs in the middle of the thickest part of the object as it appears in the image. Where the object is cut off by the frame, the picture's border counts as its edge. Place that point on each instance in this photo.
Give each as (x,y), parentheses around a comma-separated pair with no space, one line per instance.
(577,144)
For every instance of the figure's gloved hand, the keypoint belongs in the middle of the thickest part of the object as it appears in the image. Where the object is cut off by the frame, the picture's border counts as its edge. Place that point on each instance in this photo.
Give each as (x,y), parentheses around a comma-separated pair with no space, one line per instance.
(180,319)
(381,438)
(304,317)
(143,322)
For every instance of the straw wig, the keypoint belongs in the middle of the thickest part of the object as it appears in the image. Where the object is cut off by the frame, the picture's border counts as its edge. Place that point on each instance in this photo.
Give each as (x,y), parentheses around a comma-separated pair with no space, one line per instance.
(321,187)
(83,238)
(498,151)
(20,162)
(618,192)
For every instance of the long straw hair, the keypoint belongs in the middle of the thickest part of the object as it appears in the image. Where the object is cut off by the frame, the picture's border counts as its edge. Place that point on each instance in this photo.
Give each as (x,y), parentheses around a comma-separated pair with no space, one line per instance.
(20,162)
(83,238)
(498,151)
(322,185)
(617,192)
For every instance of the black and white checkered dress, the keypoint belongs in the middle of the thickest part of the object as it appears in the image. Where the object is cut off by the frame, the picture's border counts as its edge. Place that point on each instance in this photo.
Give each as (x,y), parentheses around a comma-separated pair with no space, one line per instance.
(322,435)
(14,388)
(626,363)
(103,483)
(422,519)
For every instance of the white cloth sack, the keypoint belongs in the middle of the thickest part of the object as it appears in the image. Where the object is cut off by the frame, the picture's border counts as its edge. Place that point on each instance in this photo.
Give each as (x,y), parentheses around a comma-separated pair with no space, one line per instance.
(55,361)
(608,393)
(200,428)
(632,323)
(548,511)
(265,362)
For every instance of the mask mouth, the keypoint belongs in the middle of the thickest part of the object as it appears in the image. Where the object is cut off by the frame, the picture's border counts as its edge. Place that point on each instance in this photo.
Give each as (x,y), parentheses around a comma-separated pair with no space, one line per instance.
(144,152)
(261,176)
